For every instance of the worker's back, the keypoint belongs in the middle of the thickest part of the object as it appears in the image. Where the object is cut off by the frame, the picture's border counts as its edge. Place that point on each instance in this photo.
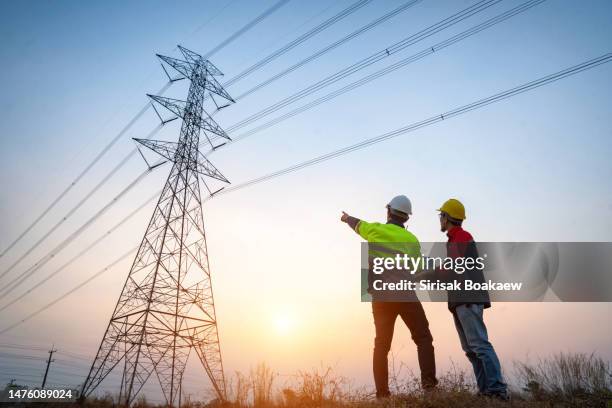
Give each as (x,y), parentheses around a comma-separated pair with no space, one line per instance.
(387,240)
(376,232)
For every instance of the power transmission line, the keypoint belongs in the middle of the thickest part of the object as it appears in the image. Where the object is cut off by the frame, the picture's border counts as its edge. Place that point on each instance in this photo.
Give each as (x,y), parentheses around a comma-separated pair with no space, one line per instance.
(391,68)
(79,204)
(328,48)
(140,113)
(21,356)
(9,355)
(426,122)
(469,32)
(74,289)
(82,252)
(101,154)
(365,143)
(326,24)
(213,17)
(116,138)
(82,363)
(34,348)
(21,347)
(62,363)
(293,29)
(82,174)
(246,27)
(25,377)
(363,63)
(26,364)
(283,49)
(19,279)
(75,355)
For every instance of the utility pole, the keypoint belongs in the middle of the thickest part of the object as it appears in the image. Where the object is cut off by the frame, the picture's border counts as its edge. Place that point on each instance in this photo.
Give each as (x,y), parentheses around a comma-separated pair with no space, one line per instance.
(49,361)
(166,309)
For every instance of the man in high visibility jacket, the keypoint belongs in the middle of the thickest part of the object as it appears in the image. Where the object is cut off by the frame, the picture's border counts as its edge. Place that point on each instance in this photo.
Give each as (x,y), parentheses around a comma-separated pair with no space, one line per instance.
(385,313)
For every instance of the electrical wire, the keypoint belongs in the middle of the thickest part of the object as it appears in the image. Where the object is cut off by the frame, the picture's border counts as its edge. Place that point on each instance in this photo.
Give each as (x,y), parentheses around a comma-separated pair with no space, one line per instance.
(426,122)
(246,28)
(320,27)
(293,29)
(28,366)
(464,109)
(104,180)
(124,161)
(213,17)
(75,208)
(259,64)
(71,291)
(44,350)
(19,279)
(22,364)
(83,363)
(82,174)
(9,355)
(73,355)
(366,62)
(84,251)
(26,377)
(365,143)
(22,347)
(61,356)
(62,363)
(292,44)
(391,68)
(328,48)
(122,132)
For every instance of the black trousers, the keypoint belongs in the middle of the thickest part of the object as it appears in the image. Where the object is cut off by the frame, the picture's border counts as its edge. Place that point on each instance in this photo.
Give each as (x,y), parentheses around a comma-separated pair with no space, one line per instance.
(413,315)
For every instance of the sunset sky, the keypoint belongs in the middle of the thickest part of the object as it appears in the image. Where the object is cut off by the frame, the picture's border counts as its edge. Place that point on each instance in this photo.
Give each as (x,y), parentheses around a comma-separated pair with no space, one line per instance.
(285,270)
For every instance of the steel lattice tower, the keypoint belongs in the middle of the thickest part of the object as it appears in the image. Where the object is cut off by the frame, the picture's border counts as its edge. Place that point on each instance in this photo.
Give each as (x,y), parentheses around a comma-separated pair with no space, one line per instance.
(166,308)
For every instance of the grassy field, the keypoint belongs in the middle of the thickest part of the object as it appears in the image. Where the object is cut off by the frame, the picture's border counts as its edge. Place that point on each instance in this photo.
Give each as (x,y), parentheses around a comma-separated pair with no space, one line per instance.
(562,380)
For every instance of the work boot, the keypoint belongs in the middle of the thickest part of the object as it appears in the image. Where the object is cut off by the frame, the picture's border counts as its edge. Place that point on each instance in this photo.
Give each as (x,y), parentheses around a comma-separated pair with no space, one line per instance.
(430,391)
(382,394)
(501,396)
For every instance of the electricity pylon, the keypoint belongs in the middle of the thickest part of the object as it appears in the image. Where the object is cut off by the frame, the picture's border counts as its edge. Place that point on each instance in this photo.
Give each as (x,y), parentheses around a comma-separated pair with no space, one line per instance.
(166,308)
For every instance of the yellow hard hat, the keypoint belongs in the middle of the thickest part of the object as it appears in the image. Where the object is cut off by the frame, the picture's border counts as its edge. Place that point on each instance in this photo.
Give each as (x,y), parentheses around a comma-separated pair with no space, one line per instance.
(454,209)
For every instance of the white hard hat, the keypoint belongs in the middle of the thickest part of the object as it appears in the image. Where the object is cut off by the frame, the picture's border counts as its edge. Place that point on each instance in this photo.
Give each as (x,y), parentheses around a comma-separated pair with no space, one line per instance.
(401,203)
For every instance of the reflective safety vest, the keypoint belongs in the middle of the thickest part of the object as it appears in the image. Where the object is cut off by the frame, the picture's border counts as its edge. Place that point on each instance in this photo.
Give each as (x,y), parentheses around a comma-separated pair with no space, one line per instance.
(393,239)
(387,241)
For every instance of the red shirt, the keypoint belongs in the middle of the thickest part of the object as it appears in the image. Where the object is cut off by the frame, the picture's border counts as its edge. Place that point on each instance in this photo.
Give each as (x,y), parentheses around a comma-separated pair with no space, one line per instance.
(457,235)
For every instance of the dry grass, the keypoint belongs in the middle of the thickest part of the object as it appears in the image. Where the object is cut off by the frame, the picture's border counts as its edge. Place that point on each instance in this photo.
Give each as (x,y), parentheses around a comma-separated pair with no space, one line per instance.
(563,380)
(565,377)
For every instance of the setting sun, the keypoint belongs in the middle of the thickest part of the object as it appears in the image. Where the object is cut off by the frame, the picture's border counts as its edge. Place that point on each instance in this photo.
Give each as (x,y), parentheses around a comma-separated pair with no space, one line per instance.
(284,323)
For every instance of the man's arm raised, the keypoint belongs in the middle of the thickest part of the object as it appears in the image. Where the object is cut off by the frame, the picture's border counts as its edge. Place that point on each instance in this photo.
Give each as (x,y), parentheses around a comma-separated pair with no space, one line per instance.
(351,221)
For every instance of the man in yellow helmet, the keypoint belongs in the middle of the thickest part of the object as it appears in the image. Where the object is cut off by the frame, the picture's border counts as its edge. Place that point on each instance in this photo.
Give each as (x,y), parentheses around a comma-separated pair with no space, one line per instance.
(467,306)
(385,313)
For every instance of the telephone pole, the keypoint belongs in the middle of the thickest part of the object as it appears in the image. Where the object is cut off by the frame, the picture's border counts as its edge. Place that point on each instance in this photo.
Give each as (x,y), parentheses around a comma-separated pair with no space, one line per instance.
(166,309)
(49,361)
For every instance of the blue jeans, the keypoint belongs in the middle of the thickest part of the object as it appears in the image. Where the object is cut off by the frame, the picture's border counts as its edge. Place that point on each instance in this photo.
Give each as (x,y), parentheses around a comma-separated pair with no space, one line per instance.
(474,341)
